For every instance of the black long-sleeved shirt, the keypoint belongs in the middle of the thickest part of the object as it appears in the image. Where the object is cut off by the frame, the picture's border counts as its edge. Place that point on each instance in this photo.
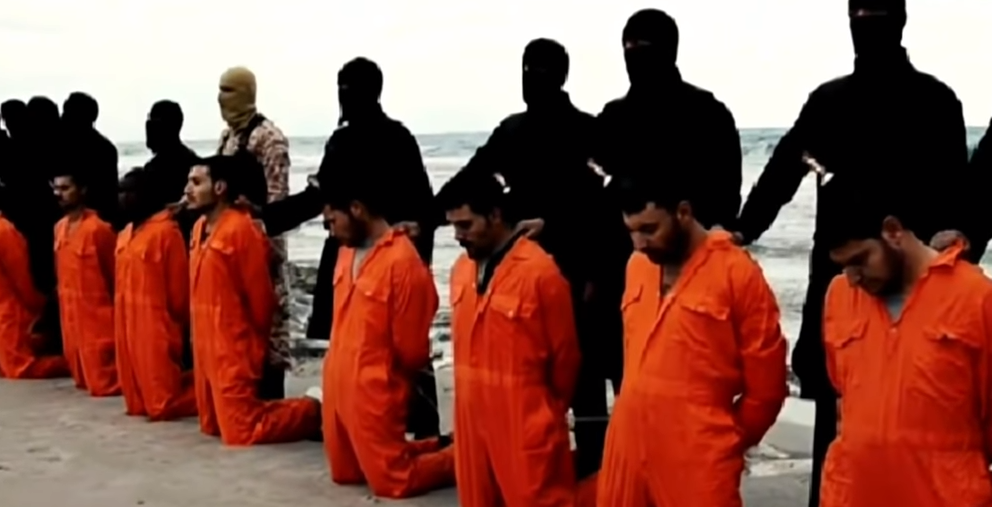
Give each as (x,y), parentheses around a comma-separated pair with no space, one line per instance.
(678,127)
(88,147)
(890,127)
(378,144)
(979,229)
(543,156)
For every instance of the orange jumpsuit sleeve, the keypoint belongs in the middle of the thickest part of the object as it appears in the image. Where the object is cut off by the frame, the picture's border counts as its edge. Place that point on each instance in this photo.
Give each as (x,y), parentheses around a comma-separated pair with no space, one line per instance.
(106,246)
(831,313)
(555,301)
(252,253)
(985,376)
(15,264)
(413,304)
(762,350)
(176,275)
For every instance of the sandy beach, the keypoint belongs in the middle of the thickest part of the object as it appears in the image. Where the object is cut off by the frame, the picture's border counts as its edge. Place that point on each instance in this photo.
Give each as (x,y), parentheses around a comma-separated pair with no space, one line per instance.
(60,447)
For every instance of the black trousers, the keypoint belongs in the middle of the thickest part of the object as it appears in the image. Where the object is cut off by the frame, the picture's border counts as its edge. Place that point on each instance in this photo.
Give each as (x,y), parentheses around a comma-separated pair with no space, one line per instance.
(600,329)
(809,363)
(824,433)
(422,419)
(272,386)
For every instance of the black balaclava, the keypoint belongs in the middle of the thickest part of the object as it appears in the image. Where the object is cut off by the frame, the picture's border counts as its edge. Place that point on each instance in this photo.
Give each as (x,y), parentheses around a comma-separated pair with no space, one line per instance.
(359,88)
(545,70)
(14,114)
(162,128)
(651,48)
(41,119)
(80,111)
(878,35)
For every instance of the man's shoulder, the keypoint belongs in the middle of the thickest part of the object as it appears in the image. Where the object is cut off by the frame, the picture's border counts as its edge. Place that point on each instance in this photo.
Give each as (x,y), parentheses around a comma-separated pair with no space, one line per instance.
(703,99)
(93,224)
(512,122)
(612,107)
(403,254)
(7,228)
(535,261)
(969,280)
(267,133)
(238,224)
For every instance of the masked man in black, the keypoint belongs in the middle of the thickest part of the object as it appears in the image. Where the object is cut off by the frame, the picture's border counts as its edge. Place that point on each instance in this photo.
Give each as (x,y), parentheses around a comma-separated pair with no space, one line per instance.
(367,140)
(543,154)
(887,126)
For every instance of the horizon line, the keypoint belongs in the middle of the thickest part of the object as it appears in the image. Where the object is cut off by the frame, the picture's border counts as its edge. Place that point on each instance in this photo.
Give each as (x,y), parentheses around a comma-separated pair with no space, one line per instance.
(454,133)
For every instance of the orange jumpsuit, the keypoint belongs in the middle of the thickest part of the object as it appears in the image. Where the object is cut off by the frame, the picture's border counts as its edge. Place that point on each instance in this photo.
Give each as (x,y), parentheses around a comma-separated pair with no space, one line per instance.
(516,360)
(915,392)
(677,436)
(21,306)
(84,260)
(379,341)
(151,312)
(232,307)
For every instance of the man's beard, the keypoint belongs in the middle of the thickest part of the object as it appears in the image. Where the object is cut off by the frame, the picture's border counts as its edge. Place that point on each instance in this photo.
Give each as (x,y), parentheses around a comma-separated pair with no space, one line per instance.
(896,262)
(675,252)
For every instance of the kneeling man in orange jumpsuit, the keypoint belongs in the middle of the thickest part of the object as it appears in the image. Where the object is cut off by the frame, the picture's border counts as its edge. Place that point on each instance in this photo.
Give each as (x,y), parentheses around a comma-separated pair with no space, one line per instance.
(384,303)
(516,356)
(908,335)
(704,358)
(21,304)
(84,261)
(232,307)
(151,307)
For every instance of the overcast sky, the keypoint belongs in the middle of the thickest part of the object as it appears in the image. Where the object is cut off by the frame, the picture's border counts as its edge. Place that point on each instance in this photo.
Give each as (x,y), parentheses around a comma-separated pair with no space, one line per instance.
(449,65)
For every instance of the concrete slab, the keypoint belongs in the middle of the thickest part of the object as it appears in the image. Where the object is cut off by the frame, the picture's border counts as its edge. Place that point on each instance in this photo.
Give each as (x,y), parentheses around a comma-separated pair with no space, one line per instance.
(60,447)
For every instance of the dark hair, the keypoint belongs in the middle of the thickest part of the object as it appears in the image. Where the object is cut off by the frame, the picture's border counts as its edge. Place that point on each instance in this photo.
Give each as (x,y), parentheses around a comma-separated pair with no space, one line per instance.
(137,174)
(13,110)
(223,168)
(242,173)
(42,111)
(635,193)
(169,113)
(65,168)
(359,186)
(363,74)
(482,193)
(863,212)
(81,108)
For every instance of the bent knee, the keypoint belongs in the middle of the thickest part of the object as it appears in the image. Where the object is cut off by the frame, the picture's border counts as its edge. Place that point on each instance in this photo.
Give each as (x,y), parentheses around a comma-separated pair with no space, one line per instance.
(387,487)
(352,477)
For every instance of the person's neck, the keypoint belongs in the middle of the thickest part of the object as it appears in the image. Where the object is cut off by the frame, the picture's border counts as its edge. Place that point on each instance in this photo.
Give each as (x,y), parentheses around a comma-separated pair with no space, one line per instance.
(697,236)
(666,77)
(364,113)
(552,103)
(143,216)
(918,258)
(881,61)
(214,214)
(503,238)
(75,214)
(168,146)
(377,229)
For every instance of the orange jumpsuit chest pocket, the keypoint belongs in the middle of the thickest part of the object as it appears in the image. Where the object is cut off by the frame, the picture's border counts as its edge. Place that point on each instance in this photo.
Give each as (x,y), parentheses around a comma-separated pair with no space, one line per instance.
(507,329)
(368,298)
(508,312)
(926,363)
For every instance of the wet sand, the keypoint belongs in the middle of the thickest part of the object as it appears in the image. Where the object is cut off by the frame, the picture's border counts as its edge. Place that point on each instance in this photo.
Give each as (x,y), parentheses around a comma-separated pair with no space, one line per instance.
(59,447)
